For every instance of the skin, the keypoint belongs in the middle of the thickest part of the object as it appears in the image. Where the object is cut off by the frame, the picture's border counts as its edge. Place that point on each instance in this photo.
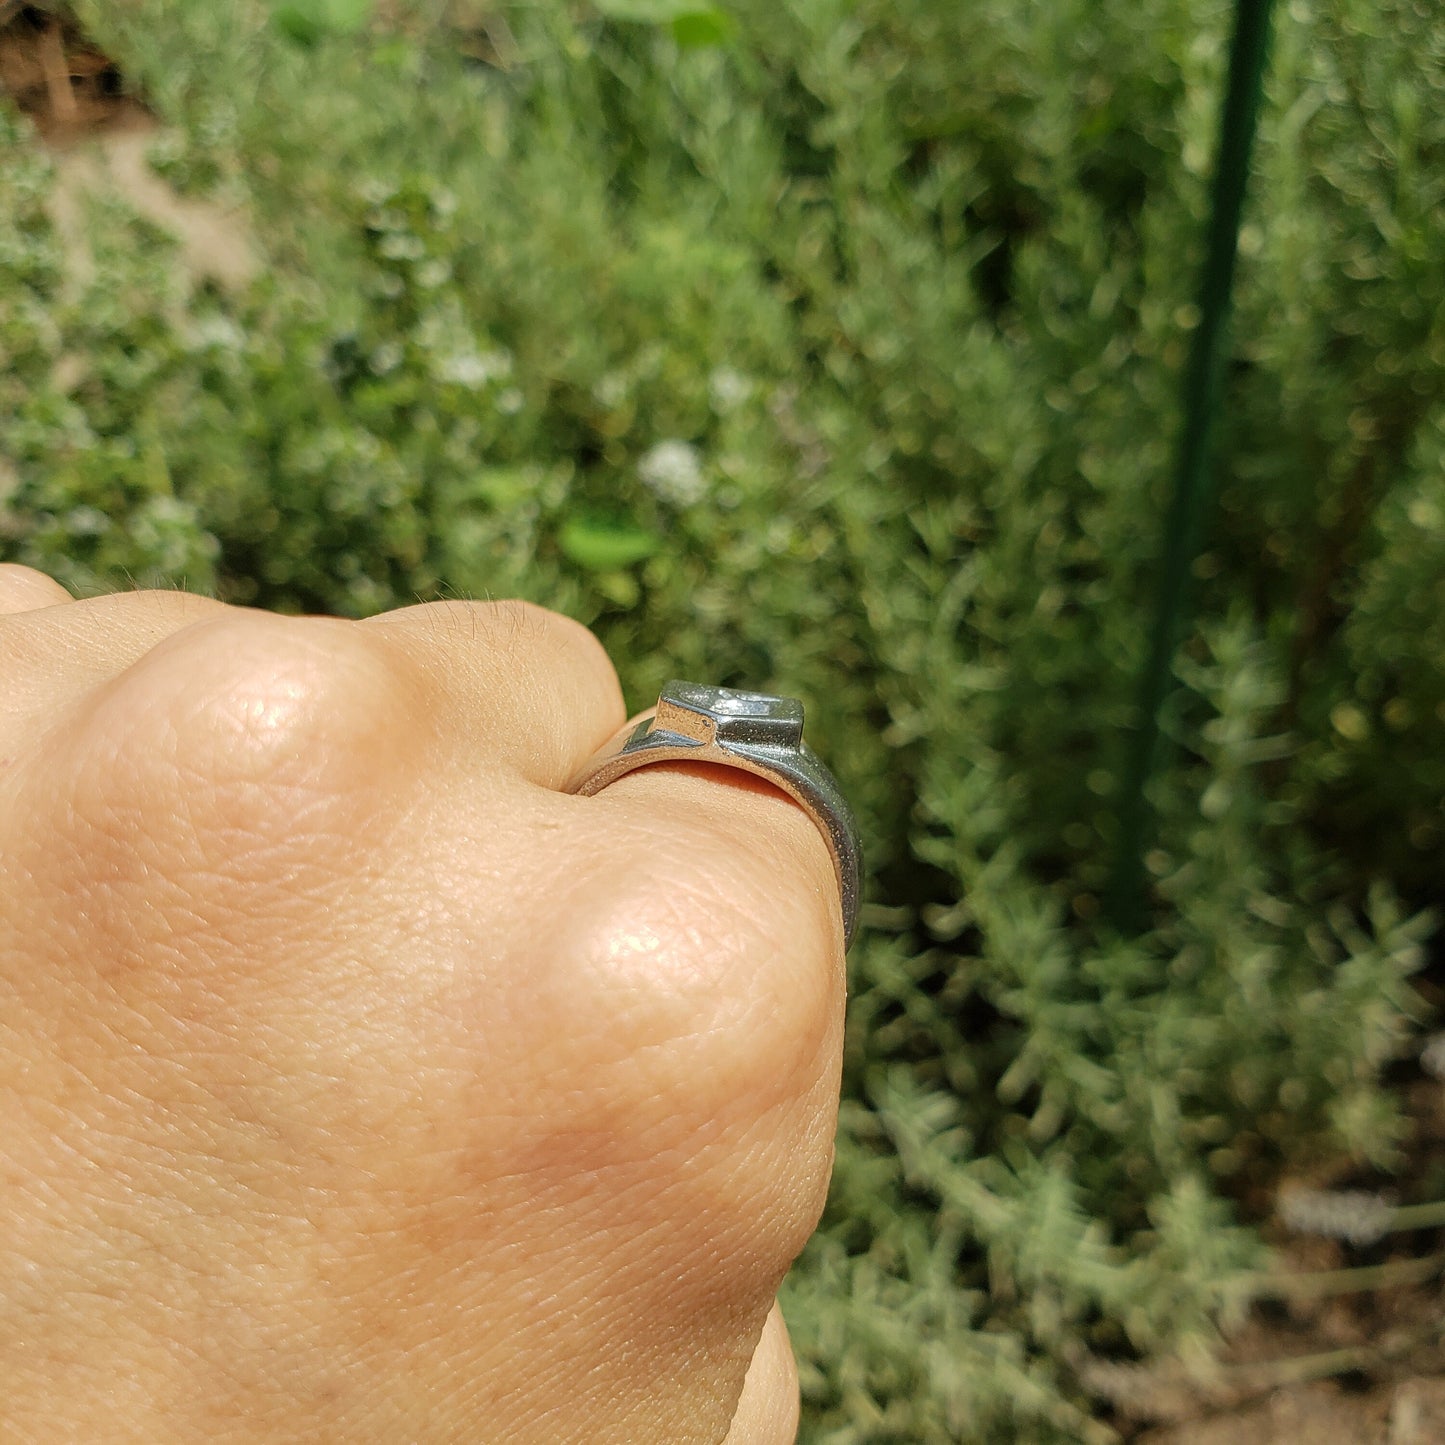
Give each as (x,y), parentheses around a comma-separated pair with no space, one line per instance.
(356,1083)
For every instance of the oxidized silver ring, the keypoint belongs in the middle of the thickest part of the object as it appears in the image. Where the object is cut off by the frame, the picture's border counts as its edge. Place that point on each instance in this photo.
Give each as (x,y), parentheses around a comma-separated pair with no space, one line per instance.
(754,731)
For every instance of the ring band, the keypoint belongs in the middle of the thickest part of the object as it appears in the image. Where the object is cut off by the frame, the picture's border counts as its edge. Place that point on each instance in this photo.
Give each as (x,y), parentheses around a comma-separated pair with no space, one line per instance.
(754,731)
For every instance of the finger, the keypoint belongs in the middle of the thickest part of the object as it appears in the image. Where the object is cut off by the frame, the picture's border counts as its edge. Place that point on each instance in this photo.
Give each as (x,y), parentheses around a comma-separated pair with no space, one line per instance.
(716,966)
(53,655)
(23,589)
(750,823)
(768,1411)
(512,681)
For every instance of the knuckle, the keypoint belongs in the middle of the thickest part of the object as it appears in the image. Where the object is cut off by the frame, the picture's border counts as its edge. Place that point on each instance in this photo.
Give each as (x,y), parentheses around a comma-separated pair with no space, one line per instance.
(510,624)
(529,625)
(523,620)
(517,633)
(715,993)
(273,697)
(28,582)
(705,1021)
(250,712)
(129,624)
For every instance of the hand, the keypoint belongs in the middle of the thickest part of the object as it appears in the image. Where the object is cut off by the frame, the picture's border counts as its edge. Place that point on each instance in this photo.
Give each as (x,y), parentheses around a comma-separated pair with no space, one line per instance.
(358,1085)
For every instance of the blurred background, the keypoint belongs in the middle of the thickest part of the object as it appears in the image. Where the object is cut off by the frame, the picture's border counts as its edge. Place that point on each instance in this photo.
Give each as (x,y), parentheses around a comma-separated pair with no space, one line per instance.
(835,348)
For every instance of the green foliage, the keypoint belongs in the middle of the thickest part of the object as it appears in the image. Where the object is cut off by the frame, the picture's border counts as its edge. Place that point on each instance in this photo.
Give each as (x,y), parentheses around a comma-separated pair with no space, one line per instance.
(692,25)
(603,544)
(309,21)
(842,361)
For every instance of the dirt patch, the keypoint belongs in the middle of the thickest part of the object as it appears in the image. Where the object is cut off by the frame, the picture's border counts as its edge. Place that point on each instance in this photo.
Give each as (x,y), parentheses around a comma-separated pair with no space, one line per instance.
(1411,1413)
(215,241)
(68,87)
(1347,1343)
(100,131)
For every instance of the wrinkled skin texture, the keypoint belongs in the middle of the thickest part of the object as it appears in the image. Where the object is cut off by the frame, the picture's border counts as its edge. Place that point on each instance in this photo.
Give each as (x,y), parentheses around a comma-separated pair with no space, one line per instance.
(359,1085)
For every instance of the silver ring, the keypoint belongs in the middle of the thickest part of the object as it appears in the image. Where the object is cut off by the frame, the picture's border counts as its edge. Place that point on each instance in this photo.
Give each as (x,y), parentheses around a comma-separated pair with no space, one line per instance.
(754,731)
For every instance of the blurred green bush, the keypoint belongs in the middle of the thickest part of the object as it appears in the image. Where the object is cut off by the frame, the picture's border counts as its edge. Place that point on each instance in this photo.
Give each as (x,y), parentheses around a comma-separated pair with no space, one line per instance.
(831,347)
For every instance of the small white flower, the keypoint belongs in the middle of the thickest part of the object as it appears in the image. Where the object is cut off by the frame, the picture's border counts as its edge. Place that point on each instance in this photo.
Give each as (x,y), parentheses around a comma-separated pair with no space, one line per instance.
(218,331)
(672,470)
(402,246)
(728,388)
(474,369)
(499,362)
(511,401)
(433,273)
(386,358)
(86,521)
(611,390)
(375,192)
(465,368)
(778,537)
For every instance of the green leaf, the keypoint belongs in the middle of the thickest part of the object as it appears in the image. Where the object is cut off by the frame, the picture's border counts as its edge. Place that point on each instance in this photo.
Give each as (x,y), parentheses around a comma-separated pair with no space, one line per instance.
(502,488)
(346,17)
(605,544)
(693,25)
(308,21)
(619,588)
(297,22)
(701,28)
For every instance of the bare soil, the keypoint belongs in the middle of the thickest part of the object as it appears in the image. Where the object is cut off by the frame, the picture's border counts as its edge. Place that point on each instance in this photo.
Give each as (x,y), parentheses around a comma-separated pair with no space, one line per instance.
(98,131)
(68,87)
(1410,1413)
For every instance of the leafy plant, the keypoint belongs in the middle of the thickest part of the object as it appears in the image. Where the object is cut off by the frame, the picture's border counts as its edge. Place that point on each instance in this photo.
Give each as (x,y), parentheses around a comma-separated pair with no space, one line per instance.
(842,360)
(692,25)
(309,21)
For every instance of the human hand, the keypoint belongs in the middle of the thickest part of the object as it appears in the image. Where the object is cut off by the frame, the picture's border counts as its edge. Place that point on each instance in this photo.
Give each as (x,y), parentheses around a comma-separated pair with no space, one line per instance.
(357,1084)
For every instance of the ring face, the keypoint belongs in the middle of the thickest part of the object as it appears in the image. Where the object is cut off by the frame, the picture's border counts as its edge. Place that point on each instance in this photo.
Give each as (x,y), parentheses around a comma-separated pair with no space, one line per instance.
(754,731)
(723,715)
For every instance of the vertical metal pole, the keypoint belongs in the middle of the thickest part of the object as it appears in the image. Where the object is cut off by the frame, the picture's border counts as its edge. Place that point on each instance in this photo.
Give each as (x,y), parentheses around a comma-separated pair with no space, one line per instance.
(1193,489)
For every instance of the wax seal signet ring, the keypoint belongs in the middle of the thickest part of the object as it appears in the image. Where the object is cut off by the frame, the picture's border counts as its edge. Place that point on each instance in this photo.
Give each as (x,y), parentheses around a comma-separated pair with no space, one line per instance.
(754,731)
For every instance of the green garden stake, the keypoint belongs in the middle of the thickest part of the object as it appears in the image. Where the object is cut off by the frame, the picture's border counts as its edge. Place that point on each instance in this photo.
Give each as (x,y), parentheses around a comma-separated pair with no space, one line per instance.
(1184,525)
